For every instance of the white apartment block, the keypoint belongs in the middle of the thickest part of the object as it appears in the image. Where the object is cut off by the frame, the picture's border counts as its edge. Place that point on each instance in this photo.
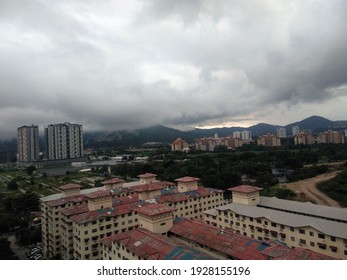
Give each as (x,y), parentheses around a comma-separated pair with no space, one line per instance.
(74,221)
(243,135)
(281,132)
(63,141)
(295,130)
(28,143)
(321,229)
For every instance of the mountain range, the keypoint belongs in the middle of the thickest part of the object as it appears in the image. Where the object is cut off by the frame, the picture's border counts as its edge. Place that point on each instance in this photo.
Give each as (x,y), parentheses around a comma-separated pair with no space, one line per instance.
(164,134)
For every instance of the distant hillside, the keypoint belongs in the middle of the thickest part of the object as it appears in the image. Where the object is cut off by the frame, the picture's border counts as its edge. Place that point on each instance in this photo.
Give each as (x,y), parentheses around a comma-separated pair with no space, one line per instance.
(314,123)
(166,135)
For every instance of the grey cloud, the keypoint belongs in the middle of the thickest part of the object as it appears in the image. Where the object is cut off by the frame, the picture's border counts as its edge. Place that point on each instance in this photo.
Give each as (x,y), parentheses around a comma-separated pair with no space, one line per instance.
(129,64)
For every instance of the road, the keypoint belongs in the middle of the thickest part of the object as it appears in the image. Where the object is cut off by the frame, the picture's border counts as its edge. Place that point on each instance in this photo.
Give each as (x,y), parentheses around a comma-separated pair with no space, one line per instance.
(18,250)
(309,189)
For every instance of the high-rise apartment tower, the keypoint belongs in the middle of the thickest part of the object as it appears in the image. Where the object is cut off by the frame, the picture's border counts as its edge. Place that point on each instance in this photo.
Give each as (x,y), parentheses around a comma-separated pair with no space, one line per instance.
(63,141)
(28,143)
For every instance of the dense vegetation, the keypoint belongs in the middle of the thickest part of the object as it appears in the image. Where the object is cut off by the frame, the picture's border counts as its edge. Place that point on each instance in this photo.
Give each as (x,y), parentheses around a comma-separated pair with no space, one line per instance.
(336,188)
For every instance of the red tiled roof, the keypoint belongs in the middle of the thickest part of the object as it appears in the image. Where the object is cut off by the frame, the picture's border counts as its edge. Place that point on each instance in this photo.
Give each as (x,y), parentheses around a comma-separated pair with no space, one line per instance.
(125,199)
(235,245)
(303,254)
(113,181)
(75,210)
(149,187)
(70,187)
(147,175)
(187,179)
(174,197)
(245,189)
(151,246)
(108,212)
(65,200)
(98,194)
(154,209)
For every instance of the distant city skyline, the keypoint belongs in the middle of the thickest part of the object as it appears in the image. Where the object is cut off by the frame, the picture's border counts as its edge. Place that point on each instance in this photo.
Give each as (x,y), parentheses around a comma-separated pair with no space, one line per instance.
(113,65)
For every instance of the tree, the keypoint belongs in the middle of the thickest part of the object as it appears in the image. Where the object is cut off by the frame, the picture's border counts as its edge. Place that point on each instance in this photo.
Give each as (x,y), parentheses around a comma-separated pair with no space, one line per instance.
(6,252)
(12,185)
(23,236)
(30,169)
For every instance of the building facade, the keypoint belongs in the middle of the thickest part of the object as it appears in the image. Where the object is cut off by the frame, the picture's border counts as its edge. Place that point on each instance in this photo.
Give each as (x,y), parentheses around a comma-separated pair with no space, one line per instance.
(63,141)
(269,140)
(282,132)
(74,221)
(188,239)
(28,143)
(330,137)
(210,144)
(317,228)
(295,130)
(243,135)
(179,145)
(304,138)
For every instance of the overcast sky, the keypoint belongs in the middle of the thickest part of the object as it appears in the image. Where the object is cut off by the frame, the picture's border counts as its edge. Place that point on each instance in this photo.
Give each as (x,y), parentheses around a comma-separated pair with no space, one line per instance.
(112,65)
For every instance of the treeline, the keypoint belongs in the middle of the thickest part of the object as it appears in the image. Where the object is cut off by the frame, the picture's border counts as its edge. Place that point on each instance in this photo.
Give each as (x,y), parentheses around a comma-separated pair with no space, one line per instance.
(336,188)
(226,169)
(15,210)
(307,172)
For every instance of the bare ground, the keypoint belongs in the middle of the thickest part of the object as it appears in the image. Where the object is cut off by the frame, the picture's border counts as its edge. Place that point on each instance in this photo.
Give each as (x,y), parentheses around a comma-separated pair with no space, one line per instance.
(307,190)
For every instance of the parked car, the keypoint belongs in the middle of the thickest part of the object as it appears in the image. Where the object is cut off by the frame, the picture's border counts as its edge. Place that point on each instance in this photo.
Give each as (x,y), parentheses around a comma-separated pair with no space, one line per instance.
(38,257)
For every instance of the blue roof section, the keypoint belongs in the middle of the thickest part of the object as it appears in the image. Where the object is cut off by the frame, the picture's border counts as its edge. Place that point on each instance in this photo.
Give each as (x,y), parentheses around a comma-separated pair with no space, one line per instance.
(261,245)
(168,191)
(184,253)
(178,219)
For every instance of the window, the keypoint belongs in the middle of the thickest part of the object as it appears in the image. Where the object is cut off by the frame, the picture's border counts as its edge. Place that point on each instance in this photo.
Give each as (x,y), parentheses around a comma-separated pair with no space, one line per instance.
(302,241)
(333,238)
(301,231)
(163,224)
(333,249)
(311,233)
(312,243)
(322,236)
(292,238)
(273,224)
(291,229)
(265,223)
(258,221)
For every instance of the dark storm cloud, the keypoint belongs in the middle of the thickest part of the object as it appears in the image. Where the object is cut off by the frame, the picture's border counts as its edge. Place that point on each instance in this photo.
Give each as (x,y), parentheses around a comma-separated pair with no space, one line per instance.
(128,64)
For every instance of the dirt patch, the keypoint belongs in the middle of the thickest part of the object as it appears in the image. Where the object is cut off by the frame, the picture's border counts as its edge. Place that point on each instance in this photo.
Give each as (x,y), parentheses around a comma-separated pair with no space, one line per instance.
(307,190)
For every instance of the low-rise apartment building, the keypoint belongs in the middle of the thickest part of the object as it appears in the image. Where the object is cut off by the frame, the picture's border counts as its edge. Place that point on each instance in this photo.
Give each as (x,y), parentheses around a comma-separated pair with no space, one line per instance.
(318,228)
(160,237)
(75,220)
